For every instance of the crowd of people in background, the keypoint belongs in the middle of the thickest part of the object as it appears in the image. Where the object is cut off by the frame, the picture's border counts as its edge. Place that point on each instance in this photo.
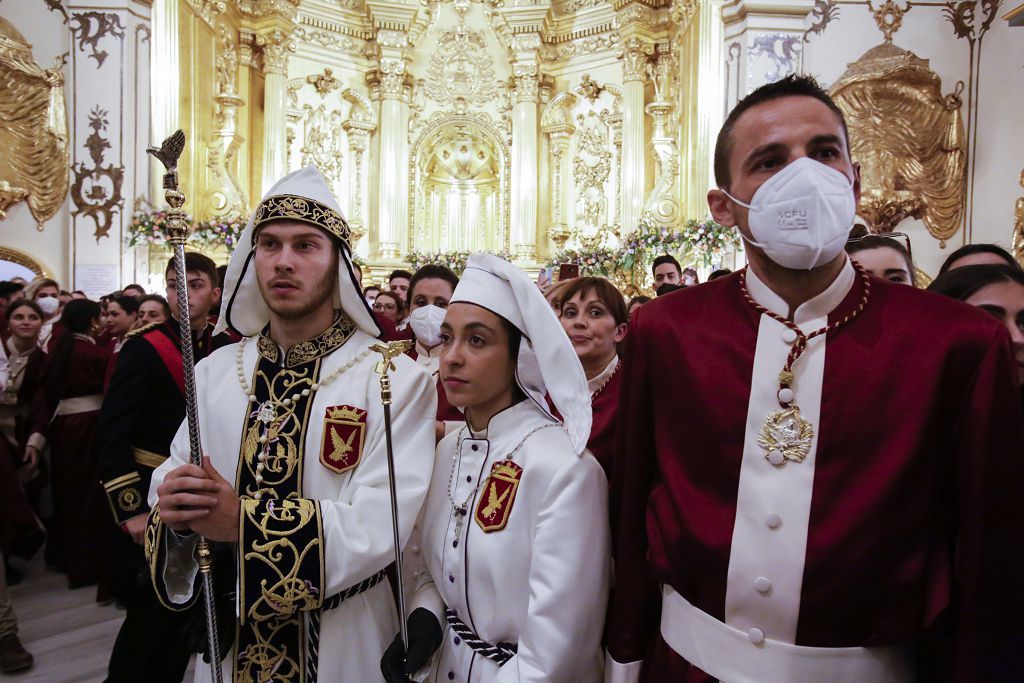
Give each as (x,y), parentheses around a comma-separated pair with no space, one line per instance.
(60,349)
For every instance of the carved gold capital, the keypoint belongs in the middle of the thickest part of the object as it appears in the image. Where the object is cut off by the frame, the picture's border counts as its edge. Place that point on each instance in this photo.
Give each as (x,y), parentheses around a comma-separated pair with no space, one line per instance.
(275,46)
(390,81)
(635,55)
(526,79)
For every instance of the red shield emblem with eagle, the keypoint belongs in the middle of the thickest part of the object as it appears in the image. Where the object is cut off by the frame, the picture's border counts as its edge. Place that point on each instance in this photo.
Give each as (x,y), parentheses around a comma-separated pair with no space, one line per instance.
(342,444)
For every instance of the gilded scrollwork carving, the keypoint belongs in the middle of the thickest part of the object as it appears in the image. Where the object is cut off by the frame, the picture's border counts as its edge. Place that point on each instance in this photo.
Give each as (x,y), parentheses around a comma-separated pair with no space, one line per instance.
(662,205)
(964,17)
(324,83)
(96,190)
(34,152)
(909,139)
(889,17)
(461,66)
(89,28)
(226,198)
(334,41)
(582,46)
(591,167)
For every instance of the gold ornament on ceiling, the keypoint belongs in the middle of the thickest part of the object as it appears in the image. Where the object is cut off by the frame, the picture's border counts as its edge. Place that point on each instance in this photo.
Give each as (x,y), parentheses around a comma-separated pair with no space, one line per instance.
(34,137)
(908,138)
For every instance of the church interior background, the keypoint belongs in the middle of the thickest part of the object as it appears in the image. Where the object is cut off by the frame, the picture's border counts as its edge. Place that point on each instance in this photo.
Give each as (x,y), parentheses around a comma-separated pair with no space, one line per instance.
(547,132)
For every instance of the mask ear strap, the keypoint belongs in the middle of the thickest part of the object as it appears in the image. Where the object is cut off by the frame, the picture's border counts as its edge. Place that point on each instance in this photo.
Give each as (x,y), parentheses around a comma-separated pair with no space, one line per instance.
(743,204)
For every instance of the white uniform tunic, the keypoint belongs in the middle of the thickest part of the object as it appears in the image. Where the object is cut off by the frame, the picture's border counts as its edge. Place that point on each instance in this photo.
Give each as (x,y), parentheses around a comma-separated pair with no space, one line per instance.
(542,581)
(355,505)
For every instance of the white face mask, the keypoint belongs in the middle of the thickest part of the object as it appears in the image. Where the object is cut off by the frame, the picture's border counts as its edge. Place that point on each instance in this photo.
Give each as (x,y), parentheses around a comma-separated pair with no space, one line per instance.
(801,217)
(426,324)
(49,304)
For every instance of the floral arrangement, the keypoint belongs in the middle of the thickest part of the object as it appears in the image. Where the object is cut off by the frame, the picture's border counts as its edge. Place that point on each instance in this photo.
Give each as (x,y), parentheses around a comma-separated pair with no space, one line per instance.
(454,260)
(150,227)
(697,241)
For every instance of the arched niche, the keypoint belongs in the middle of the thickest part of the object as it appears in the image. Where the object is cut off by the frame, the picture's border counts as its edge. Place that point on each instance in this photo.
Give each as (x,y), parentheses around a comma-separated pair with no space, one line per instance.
(14,263)
(459,175)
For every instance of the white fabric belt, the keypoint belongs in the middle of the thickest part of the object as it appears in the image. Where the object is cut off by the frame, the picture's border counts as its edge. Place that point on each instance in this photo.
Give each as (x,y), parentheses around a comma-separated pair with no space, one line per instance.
(732,656)
(79,404)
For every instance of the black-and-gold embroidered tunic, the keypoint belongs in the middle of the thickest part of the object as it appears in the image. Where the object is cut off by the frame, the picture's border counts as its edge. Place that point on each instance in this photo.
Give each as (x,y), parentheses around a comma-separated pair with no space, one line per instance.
(281,571)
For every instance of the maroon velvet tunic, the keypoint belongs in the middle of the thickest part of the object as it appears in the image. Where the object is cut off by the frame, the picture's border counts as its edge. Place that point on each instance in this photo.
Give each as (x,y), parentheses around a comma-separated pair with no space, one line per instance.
(605,407)
(913,533)
(81,532)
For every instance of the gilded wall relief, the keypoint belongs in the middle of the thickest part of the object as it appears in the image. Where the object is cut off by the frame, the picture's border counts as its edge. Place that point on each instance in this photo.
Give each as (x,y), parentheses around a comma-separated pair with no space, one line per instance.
(96,190)
(908,138)
(88,28)
(34,152)
(226,198)
(461,67)
(889,17)
(662,204)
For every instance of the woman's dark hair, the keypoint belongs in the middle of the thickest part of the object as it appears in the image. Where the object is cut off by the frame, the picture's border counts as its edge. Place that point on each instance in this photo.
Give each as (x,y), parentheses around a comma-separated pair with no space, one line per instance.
(399,304)
(882,242)
(721,272)
(969,249)
(160,300)
(606,292)
(129,304)
(18,303)
(78,317)
(431,270)
(962,283)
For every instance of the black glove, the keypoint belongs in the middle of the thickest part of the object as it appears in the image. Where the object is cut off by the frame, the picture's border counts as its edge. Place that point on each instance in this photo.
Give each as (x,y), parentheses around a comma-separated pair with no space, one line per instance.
(424,639)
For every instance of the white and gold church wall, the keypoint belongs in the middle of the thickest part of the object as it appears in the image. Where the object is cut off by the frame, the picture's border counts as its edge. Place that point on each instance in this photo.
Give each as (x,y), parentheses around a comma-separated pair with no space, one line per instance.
(933,92)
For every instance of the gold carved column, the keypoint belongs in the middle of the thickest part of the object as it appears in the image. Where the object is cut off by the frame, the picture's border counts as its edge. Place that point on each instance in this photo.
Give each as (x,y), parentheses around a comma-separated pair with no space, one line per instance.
(276,44)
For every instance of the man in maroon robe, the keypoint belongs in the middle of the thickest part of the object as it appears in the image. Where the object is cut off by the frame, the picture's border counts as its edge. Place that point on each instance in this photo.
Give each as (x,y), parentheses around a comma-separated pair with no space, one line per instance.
(835,507)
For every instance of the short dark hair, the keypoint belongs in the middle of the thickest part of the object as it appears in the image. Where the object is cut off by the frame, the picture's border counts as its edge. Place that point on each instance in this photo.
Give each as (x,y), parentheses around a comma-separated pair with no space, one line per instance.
(368,288)
(639,300)
(160,300)
(128,303)
(7,288)
(399,273)
(721,272)
(962,283)
(662,260)
(431,270)
(793,85)
(969,249)
(606,292)
(197,263)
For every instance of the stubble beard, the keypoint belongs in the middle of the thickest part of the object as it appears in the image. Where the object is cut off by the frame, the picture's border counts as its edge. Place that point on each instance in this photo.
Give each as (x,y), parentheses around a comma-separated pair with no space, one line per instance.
(324,292)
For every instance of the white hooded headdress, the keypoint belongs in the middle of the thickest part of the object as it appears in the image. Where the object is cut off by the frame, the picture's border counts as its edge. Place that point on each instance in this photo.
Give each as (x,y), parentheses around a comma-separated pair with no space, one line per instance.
(300,196)
(548,364)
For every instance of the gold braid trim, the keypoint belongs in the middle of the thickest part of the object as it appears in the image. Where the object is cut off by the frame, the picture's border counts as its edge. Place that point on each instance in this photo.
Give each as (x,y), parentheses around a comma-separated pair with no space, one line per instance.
(291,207)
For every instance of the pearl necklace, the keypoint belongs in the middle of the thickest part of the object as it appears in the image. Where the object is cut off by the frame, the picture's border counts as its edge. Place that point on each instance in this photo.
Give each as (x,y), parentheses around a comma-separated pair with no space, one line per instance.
(460,511)
(267,412)
(240,371)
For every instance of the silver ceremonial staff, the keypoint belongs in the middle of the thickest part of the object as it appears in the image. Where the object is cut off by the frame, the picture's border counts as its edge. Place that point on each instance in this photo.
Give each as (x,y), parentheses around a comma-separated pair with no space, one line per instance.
(177,234)
(388,352)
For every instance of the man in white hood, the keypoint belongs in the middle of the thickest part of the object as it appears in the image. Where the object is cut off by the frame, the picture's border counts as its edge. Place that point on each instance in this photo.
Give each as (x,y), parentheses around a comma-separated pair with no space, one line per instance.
(296,474)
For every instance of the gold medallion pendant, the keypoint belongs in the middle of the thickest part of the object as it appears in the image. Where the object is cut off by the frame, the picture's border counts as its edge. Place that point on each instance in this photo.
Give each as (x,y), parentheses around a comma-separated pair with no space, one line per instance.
(786,435)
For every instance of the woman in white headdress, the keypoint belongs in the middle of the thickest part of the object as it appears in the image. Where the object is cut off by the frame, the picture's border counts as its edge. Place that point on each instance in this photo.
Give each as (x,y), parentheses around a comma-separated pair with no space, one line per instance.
(512,545)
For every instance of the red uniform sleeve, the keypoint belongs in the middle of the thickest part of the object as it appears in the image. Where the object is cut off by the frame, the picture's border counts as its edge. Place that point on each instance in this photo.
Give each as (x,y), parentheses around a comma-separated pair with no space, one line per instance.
(990,555)
(635,609)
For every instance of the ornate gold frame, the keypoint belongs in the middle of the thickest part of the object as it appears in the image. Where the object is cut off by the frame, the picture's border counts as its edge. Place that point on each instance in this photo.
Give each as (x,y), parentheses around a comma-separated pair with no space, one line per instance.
(23,259)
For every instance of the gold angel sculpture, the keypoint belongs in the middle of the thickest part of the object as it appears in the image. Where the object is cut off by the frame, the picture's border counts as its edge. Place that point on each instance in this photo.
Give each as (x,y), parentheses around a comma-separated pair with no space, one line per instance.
(34,135)
(908,138)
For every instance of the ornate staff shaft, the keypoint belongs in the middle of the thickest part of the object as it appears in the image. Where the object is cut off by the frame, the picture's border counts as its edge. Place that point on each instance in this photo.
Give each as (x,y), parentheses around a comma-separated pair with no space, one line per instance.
(388,352)
(177,231)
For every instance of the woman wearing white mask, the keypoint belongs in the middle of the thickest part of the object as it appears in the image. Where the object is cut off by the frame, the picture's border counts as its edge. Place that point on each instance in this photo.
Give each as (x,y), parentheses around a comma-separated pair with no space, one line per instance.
(46,293)
(512,547)
(430,290)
